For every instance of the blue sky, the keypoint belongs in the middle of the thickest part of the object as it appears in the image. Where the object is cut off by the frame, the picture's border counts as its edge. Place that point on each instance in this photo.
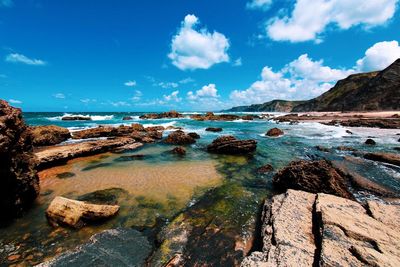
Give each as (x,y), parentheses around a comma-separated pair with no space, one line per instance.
(188,54)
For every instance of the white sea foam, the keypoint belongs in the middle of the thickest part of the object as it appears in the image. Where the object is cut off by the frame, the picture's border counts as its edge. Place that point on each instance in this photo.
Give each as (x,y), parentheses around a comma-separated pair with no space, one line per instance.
(92,117)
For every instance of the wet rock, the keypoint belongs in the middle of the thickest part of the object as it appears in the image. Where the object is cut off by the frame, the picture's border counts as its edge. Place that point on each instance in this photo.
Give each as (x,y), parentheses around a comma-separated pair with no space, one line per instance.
(397,148)
(265,169)
(127,118)
(65,175)
(76,118)
(313,176)
(349,132)
(374,123)
(110,248)
(209,116)
(194,135)
(166,115)
(138,127)
(274,132)
(384,157)
(214,129)
(179,151)
(19,183)
(232,146)
(75,213)
(155,128)
(249,117)
(345,148)
(322,148)
(108,196)
(49,135)
(131,157)
(179,138)
(56,155)
(370,142)
(128,147)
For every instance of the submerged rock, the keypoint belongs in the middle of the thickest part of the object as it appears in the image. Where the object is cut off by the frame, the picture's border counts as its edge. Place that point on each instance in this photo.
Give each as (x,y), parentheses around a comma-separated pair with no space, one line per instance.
(65,175)
(194,135)
(265,168)
(49,135)
(108,196)
(305,229)
(110,248)
(179,151)
(19,183)
(274,132)
(179,138)
(313,176)
(231,145)
(75,213)
(131,157)
(214,129)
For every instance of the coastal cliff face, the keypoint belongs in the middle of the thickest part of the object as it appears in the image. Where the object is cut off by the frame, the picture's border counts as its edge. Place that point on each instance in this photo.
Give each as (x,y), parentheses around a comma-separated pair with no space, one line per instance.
(373,91)
(19,183)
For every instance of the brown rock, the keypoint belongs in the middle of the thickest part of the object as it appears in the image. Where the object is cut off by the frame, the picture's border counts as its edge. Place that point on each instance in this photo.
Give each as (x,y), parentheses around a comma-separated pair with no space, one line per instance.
(138,127)
(274,132)
(390,158)
(265,168)
(19,183)
(323,149)
(209,116)
(179,151)
(166,115)
(230,145)
(155,128)
(76,118)
(75,213)
(313,176)
(127,118)
(194,135)
(49,135)
(214,129)
(179,138)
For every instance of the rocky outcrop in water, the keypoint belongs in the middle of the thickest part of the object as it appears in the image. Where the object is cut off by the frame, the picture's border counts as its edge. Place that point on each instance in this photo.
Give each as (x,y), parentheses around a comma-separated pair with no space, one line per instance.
(181,151)
(209,116)
(370,142)
(305,229)
(179,138)
(274,132)
(74,213)
(115,247)
(384,123)
(19,183)
(49,135)
(231,145)
(76,118)
(214,129)
(165,115)
(313,176)
(390,158)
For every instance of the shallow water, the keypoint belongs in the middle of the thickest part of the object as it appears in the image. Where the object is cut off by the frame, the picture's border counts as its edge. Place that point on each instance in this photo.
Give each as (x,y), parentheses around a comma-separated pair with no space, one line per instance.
(205,190)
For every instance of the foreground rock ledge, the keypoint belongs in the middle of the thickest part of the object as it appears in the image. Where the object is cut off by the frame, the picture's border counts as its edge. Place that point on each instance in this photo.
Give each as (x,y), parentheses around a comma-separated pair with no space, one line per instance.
(305,229)
(75,213)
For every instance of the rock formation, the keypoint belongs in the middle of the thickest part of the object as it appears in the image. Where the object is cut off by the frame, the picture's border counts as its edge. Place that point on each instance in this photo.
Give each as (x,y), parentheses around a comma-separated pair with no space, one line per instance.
(19,183)
(179,138)
(209,116)
(274,132)
(166,115)
(390,158)
(181,151)
(231,145)
(49,135)
(214,129)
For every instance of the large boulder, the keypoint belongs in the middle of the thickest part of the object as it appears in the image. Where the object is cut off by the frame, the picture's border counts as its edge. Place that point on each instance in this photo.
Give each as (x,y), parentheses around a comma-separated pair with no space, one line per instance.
(49,135)
(274,132)
(313,176)
(74,213)
(19,183)
(214,129)
(231,145)
(179,138)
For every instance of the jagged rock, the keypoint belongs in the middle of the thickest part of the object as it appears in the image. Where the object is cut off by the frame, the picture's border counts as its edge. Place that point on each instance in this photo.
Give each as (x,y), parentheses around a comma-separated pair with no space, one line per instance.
(49,135)
(322,148)
(76,213)
(305,229)
(76,118)
(314,177)
(138,127)
(384,157)
(166,115)
(274,132)
(214,129)
(265,168)
(371,123)
(194,135)
(370,142)
(19,183)
(209,116)
(179,151)
(231,145)
(179,138)
(155,128)
(56,155)
(114,247)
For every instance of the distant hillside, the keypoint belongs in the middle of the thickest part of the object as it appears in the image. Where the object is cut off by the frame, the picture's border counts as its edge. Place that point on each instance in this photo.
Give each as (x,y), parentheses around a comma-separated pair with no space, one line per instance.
(373,91)
(272,106)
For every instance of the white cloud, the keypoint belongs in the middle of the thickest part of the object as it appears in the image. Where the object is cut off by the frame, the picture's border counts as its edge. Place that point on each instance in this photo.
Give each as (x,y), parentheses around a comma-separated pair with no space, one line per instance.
(238,62)
(173,97)
(137,96)
(14,101)
(192,49)
(130,83)
(302,78)
(88,100)
(310,18)
(259,4)
(59,96)
(186,80)
(19,58)
(207,91)
(379,56)
(167,85)
(206,98)
(120,104)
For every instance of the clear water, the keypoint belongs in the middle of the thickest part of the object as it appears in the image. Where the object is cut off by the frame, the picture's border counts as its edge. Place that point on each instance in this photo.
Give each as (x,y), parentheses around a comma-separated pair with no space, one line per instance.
(199,188)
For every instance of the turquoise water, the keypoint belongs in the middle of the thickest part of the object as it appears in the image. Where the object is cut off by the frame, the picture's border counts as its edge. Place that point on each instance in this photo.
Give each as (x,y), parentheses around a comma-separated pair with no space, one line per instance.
(206,191)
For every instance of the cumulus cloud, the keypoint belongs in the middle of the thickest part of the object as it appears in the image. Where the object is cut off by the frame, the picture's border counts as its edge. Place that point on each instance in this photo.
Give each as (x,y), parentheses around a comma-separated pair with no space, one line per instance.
(120,104)
(197,49)
(59,96)
(237,62)
(137,96)
(309,18)
(88,100)
(173,97)
(379,56)
(303,78)
(207,91)
(259,4)
(167,85)
(19,58)
(130,83)
(206,98)
(14,101)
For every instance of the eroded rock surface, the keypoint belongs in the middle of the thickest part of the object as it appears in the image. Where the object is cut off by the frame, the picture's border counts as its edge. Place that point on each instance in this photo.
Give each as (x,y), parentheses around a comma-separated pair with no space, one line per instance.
(232,146)
(165,115)
(49,135)
(390,158)
(19,183)
(305,229)
(179,138)
(274,132)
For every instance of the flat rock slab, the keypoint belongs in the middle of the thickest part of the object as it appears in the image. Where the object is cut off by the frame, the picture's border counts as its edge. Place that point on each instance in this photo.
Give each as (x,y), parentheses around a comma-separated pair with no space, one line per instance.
(75,213)
(110,248)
